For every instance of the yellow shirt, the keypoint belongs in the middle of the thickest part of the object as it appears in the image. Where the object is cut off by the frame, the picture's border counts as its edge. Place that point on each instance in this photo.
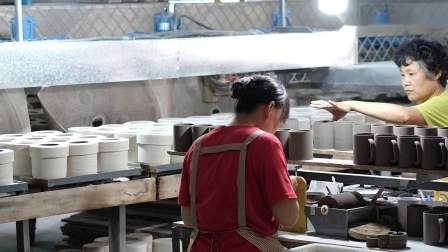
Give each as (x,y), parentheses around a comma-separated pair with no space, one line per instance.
(435,110)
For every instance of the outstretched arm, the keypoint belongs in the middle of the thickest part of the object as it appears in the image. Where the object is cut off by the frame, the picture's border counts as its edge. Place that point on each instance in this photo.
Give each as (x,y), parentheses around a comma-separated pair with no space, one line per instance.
(384,111)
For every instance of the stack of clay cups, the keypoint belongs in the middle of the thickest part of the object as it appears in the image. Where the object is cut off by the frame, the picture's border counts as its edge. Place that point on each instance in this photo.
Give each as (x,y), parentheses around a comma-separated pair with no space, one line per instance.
(112,126)
(138,124)
(90,137)
(83,158)
(141,237)
(130,134)
(11,136)
(64,136)
(105,131)
(133,243)
(4,142)
(49,160)
(136,246)
(171,120)
(162,245)
(43,133)
(113,154)
(22,159)
(80,130)
(153,147)
(6,168)
(95,247)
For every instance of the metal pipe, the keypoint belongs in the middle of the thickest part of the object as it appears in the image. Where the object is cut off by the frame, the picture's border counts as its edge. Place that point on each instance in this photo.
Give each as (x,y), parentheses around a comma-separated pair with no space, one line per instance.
(282,12)
(19,21)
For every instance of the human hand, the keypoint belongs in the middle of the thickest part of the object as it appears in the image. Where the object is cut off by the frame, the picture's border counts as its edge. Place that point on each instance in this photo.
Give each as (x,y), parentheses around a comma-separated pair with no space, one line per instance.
(337,109)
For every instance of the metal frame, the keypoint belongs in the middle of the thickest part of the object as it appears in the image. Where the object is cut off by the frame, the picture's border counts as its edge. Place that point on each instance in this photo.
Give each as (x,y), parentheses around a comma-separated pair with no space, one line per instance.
(80,179)
(350,178)
(19,21)
(16,186)
(117,228)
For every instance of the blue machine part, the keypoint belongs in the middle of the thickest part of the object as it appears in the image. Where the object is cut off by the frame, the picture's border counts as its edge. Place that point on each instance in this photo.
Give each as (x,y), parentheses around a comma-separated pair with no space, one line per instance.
(164,21)
(29,28)
(275,16)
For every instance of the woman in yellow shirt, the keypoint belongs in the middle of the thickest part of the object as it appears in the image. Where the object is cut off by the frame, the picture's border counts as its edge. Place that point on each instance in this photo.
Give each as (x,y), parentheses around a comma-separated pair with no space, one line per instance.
(424,71)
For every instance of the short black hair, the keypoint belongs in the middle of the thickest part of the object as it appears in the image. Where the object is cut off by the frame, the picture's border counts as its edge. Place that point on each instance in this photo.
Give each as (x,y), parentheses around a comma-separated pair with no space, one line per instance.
(256,90)
(431,55)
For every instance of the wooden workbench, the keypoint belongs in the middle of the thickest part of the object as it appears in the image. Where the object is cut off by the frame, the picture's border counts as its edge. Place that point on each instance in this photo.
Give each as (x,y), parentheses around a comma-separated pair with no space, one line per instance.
(113,196)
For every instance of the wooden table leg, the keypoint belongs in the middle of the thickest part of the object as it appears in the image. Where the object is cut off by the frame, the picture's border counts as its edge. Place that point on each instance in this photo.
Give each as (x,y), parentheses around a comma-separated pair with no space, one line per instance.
(117,228)
(23,236)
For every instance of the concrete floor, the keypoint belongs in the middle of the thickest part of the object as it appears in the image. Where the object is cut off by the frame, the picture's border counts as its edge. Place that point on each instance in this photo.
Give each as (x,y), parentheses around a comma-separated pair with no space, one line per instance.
(48,233)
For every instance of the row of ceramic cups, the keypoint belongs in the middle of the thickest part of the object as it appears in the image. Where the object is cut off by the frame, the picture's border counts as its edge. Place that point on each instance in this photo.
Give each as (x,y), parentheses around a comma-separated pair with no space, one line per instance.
(404,151)
(339,135)
(186,133)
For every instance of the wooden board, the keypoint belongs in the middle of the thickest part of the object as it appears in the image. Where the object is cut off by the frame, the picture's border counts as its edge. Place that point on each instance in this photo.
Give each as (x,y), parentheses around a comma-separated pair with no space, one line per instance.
(348,164)
(168,186)
(348,154)
(48,203)
(176,153)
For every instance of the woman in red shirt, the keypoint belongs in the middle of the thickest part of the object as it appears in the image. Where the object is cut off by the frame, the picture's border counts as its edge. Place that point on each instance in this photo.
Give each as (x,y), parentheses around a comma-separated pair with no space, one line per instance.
(235,187)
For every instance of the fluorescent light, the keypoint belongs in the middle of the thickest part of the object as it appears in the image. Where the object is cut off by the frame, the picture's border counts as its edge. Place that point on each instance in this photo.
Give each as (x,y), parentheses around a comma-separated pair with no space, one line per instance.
(333,7)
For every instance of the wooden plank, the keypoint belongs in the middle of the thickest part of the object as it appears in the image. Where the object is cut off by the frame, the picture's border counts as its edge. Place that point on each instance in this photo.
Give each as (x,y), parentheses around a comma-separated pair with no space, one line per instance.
(176,153)
(348,164)
(348,154)
(49,203)
(322,168)
(168,186)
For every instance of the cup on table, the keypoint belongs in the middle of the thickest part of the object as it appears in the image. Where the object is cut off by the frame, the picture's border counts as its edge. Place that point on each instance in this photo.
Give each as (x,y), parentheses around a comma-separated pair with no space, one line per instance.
(442,131)
(425,130)
(435,227)
(283,136)
(182,136)
(409,151)
(362,128)
(343,136)
(364,148)
(415,219)
(323,135)
(300,144)
(433,152)
(403,130)
(382,128)
(386,149)
(198,130)
(403,203)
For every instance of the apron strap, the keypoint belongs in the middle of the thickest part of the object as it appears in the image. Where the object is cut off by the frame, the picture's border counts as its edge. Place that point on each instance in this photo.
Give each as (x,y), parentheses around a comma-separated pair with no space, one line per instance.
(221,148)
(193,175)
(241,179)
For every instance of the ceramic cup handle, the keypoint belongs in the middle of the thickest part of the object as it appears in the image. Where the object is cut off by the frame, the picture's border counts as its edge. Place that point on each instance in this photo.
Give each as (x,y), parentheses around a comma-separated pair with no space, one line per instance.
(394,160)
(372,150)
(442,230)
(443,150)
(418,148)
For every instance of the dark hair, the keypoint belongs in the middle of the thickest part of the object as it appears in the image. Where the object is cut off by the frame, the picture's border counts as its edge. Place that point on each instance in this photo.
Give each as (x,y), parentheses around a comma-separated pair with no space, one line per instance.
(257,90)
(430,55)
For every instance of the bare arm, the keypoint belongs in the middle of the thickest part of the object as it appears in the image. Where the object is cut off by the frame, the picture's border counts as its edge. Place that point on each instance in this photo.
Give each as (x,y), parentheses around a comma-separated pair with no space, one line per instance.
(186,216)
(389,112)
(286,212)
(384,111)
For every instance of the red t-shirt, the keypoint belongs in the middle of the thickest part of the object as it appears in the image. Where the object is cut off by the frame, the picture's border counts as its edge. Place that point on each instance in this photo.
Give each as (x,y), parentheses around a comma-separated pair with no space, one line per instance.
(267,183)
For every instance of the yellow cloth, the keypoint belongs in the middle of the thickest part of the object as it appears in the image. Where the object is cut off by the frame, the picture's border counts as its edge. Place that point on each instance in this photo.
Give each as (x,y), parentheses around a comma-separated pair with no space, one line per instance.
(435,110)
